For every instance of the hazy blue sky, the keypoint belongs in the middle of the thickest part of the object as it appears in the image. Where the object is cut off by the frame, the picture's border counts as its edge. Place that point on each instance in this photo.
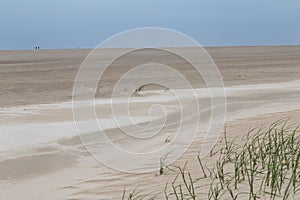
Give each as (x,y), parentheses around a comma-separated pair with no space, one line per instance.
(85,23)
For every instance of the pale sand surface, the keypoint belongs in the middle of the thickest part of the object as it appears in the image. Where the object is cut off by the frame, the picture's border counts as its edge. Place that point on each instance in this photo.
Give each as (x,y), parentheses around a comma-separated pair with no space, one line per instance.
(41,156)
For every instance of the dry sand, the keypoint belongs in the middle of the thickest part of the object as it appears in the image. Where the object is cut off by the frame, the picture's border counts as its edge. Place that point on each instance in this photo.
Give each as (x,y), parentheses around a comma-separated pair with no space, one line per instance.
(41,156)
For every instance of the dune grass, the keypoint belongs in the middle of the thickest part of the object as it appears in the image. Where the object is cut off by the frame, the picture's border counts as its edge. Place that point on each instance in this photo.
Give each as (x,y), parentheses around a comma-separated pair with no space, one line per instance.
(264,166)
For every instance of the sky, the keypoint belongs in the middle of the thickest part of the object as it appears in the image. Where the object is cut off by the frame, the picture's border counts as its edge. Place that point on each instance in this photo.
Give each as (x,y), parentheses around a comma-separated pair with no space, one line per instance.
(59,24)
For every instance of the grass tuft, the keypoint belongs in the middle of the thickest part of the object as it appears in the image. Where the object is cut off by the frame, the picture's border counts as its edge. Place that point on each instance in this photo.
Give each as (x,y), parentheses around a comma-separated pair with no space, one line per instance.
(265,166)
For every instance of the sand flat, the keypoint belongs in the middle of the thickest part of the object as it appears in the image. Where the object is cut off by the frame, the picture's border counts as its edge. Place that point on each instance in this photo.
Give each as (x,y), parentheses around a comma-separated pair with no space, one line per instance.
(38,132)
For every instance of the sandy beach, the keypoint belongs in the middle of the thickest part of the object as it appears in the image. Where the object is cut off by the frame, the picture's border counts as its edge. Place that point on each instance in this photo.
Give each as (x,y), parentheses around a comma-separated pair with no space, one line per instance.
(42,157)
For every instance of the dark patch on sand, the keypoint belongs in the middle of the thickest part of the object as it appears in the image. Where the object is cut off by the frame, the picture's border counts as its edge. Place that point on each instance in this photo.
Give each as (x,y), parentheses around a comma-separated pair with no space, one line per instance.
(29,166)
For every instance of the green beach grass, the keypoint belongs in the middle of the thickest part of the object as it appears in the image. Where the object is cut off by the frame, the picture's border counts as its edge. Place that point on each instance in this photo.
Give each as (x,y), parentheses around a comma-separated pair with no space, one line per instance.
(264,166)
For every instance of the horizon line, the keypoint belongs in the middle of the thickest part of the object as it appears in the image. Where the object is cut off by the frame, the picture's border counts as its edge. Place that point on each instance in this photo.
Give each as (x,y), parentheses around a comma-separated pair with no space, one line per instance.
(206,46)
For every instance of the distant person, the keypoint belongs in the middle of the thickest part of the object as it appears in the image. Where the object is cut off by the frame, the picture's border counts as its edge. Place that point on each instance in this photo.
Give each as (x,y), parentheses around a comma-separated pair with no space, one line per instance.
(38,47)
(35,48)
